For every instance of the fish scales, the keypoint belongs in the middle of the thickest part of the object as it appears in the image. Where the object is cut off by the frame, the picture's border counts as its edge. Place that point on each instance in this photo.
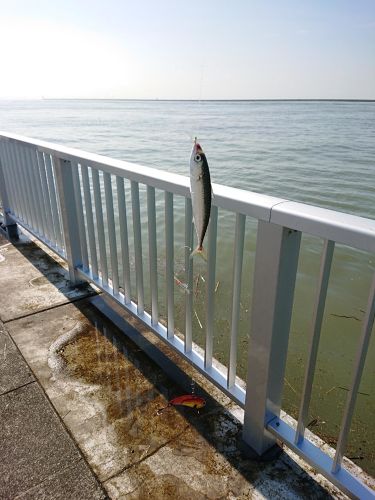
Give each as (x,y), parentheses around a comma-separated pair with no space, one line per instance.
(201,194)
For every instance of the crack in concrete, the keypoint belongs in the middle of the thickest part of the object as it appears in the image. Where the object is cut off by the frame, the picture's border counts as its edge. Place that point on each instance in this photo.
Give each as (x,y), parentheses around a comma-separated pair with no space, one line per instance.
(129,466)
(19,387)
(70,301)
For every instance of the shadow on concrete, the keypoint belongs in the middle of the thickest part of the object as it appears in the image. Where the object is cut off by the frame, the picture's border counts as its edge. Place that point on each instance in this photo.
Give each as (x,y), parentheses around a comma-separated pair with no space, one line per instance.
(24,291)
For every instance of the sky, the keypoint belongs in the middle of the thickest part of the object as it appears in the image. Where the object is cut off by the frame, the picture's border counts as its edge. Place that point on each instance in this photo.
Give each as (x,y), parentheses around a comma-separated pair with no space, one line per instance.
(187,49)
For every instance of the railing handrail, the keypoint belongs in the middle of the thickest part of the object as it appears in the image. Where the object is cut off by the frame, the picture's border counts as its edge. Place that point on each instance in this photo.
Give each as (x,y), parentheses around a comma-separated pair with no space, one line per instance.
(347,229)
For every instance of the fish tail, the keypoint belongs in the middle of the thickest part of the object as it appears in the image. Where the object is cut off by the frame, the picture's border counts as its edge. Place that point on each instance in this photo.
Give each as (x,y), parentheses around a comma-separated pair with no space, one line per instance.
(199,251)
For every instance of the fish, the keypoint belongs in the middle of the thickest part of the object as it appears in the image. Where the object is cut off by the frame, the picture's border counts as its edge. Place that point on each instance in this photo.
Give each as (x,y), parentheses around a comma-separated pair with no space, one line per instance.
(186,400)
(201,195)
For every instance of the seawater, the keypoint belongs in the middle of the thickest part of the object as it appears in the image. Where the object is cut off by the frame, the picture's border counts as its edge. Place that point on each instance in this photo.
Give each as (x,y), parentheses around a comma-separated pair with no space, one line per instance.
(316,152)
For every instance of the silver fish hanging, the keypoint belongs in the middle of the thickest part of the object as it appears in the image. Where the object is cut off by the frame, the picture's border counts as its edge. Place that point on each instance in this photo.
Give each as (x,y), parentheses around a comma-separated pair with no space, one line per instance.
(201,195)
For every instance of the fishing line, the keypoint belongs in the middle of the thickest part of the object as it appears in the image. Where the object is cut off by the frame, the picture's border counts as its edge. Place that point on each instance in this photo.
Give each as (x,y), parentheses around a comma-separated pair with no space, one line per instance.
(196,128)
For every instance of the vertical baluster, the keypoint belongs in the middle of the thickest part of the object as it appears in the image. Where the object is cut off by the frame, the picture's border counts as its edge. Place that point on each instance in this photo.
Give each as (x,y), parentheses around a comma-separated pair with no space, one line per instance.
(19,182)
(80,217)
(31,188)
(7,183)
(137,246)
(325,269)
(210,289)
(359,363)
(53,198)
(151,212)
(10,176)
(25,188)
(59,205)
(169,257)
(20,185)
(38,188)
(23,183)
(189,275)
(4,188)
(124,238)
(90,221)
(111,231)
(100,226)
(64,185)
(13,178)
(45,195)
(239,236)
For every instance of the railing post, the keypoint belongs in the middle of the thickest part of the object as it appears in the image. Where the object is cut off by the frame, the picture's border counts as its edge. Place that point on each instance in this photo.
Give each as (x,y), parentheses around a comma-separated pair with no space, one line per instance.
(65,187)
(10,226)
(275,272)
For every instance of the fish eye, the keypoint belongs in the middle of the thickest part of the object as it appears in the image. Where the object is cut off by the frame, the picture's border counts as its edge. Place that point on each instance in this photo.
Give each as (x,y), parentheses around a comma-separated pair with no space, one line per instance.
(197,158)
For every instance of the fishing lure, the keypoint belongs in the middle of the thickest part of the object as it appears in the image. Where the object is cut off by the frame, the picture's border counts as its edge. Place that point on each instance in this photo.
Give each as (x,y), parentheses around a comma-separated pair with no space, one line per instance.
(187,400)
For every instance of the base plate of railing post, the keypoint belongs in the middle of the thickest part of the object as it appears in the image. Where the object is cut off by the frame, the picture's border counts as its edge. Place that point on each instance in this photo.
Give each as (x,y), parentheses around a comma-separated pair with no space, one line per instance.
(268,456)
(10,231)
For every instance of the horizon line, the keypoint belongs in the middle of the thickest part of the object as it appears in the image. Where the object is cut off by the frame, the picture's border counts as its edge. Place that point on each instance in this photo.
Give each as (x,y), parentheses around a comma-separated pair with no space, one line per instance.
(185,100)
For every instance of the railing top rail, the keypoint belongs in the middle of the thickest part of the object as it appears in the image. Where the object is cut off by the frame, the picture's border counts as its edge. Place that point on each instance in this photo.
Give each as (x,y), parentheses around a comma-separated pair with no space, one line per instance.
(357,232)
(237,200)
(351,230)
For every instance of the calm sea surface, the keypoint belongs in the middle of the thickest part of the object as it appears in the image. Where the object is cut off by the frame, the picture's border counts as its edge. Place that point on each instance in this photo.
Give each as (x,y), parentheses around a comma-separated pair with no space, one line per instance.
(321,153)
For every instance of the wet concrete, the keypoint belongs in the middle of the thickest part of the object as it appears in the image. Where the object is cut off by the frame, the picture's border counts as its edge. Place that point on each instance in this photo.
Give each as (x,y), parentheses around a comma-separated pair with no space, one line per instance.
(107,392)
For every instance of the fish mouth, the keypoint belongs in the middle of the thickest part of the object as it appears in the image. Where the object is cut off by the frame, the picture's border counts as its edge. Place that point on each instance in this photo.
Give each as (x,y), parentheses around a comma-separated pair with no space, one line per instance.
(197,148)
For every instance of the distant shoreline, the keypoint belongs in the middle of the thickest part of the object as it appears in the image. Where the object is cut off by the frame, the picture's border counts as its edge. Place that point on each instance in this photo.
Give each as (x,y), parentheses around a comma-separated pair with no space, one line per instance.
(184,100)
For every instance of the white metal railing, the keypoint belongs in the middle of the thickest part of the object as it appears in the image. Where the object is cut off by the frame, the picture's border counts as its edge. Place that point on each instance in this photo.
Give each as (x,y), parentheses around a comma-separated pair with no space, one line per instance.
(65,197)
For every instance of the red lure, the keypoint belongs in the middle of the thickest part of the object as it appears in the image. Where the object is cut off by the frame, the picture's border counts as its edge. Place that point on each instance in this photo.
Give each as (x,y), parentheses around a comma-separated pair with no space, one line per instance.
(187,400)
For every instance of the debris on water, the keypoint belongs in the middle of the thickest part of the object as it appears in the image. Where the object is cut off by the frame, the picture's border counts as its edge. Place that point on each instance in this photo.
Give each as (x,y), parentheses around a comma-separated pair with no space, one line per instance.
(331,389)
(199,321)
(182,285)
(244,308)
(313,422)
(196,285)
(344,316)
(290,385)
(346,389)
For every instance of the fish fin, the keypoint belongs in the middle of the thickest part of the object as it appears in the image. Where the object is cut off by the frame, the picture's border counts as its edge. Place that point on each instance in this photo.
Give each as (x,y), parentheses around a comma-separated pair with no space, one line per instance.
(199,251)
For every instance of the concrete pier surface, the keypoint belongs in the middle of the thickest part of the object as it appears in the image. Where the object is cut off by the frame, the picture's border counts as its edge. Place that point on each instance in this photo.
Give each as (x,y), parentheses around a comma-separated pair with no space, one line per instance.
(80,401)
